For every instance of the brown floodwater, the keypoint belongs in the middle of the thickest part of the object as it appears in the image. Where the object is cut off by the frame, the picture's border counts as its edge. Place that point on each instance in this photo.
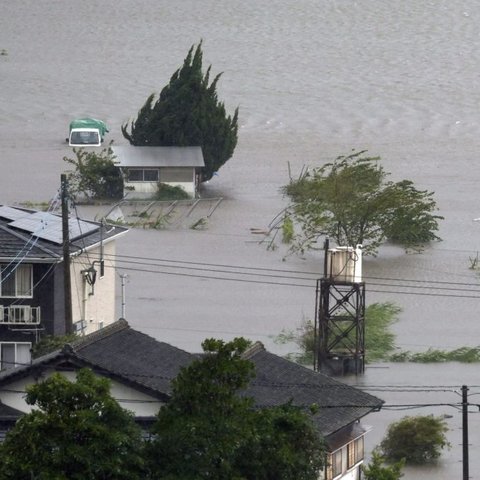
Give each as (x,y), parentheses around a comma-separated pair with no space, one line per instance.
(313,80)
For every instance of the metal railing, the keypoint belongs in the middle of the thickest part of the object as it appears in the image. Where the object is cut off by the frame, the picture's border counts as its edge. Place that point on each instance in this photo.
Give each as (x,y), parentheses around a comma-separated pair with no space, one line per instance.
(19,315)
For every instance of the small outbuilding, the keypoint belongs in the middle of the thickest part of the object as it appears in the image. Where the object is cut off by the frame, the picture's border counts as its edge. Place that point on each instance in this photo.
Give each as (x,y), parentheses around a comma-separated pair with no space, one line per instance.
(143,168)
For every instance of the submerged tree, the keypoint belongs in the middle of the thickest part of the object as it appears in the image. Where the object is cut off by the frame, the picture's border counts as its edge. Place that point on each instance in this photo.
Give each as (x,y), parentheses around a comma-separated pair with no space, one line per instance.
(77,431)
(351,202)
(188,113)
(418,439)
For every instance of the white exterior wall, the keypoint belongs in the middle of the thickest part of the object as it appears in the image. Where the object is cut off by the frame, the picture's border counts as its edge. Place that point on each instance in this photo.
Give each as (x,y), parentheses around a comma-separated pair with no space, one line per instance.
(139,187)
(98,310)
(150,188)
(130,399)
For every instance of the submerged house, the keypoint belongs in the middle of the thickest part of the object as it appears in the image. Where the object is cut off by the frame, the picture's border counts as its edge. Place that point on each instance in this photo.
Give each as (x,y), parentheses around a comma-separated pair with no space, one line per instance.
(141,368)
(143,168)
(32,278)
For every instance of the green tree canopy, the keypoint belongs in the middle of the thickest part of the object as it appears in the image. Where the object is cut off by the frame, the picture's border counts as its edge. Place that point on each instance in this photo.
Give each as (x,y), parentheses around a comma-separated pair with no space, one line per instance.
(378,470)
(209,430)
(417,439)
(188,113)
(76,432)
(352,202)
(95,175)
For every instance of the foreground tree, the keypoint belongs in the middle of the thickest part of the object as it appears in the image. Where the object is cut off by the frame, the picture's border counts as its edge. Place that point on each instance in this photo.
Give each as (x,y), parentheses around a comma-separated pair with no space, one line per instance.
(209,431)
(77,432)
(188,113)
(351,201)
(95,175)
(417,439)
(378,470)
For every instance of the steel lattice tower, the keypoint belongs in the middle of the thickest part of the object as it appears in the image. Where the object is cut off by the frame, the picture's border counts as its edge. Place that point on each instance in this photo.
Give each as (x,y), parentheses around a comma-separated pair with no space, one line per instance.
(339,325)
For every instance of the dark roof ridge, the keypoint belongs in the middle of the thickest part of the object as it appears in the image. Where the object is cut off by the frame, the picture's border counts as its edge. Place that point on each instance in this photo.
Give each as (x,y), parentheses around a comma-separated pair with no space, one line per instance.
(253,350)
(117,326)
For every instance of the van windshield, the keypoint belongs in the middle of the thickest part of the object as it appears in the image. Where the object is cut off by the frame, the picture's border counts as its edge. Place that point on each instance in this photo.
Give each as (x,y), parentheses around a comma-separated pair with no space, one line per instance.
(84,138)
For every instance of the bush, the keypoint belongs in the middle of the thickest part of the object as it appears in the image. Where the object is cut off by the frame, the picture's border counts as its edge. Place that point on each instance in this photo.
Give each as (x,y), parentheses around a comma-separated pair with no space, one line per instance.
(377,470)
(95,175)
(417,439)
(167,192)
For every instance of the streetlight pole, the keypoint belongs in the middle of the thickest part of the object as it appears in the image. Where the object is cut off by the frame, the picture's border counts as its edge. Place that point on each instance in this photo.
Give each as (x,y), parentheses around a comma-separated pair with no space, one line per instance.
(465,431)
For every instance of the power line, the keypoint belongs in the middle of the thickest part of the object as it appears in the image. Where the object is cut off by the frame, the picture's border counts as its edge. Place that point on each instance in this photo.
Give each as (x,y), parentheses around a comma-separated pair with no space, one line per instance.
(290,284)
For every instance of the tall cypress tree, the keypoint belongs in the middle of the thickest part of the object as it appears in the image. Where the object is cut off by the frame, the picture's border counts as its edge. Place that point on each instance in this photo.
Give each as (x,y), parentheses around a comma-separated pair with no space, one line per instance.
(188,113)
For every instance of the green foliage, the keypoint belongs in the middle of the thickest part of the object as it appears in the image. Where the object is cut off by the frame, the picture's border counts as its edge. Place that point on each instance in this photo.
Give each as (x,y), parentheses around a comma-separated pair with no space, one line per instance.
(378,470)
(95,175)
(379,341)
(288,231)
(208,430)
(188,113)
(77,431)
(285,445)
(418,439)
(169,192)
(49,343)
(462,354)
(351,201)
(304,338)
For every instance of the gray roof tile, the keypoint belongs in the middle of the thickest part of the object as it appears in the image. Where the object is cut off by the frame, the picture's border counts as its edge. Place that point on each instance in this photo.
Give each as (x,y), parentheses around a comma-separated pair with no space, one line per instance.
(126,354)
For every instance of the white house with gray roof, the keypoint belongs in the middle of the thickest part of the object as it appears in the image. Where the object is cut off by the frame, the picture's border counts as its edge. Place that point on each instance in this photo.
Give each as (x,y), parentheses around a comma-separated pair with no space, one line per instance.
(141,370)
(144,168)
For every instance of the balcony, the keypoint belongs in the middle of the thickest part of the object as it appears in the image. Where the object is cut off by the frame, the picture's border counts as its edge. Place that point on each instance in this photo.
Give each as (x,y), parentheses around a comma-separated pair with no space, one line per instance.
(19,315)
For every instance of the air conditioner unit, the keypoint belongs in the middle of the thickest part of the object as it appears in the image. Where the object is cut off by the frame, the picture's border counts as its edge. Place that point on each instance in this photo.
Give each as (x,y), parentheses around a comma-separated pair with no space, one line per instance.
(344,264)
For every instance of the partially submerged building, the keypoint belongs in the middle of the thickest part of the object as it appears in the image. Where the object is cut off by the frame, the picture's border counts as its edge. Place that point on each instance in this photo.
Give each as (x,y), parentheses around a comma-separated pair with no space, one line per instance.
(143,168)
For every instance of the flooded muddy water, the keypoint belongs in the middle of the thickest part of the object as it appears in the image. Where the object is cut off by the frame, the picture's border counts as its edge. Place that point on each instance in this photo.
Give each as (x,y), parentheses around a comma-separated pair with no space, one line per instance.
(313,80)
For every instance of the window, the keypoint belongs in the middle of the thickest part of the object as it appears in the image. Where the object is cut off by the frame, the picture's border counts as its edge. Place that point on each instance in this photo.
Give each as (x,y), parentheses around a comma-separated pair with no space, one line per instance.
(150,175)
(16,281)
(177,174)
(359,449)
(143,175)
(14,354)
(355,452)
(337,463)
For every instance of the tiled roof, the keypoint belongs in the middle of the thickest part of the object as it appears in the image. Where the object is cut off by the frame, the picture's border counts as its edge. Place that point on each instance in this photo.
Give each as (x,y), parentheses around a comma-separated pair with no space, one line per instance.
(14,240)
(133,356)
(120,352)
(279,381)
(123,353)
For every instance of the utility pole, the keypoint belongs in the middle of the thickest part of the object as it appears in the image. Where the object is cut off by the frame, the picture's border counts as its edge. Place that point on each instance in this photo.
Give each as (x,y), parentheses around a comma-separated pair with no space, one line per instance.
(67,286)
(465,431)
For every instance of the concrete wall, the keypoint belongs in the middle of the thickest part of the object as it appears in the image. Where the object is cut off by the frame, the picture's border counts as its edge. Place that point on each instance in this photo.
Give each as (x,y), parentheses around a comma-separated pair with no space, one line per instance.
(94,304)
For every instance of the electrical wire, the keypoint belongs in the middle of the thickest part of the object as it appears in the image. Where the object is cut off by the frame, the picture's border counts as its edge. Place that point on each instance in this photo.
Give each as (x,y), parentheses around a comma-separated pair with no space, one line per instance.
(237,278)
